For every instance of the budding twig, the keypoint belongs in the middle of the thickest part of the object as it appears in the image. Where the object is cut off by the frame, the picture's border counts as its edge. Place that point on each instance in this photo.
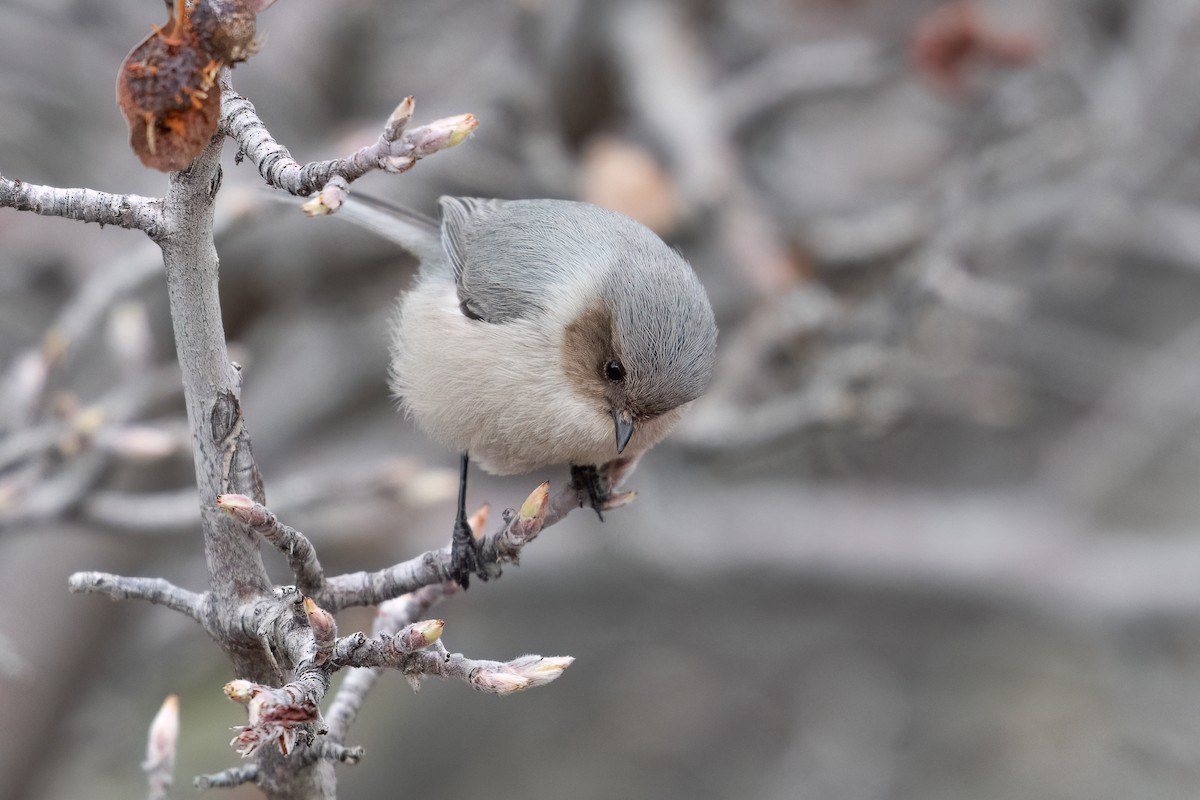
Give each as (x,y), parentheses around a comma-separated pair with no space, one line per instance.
(388,649)
(540,510)
(391,617)
(301,555)
(396,150)
(495,677)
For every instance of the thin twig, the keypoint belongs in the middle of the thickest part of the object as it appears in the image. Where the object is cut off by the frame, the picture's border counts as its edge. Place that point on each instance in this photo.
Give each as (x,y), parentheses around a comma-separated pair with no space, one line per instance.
(156,590)
(84,205)
(301,555)
(396,150)
(493,677)
(332,751)
(393,615)
(228,778)
(433,567)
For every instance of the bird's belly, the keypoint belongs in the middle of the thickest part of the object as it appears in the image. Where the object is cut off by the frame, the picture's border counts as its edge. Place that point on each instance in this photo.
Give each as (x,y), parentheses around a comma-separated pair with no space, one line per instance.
(496,391)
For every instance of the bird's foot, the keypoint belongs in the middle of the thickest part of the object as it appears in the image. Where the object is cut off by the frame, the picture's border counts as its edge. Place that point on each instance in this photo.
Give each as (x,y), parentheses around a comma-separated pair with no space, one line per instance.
(464,555)
(594,485)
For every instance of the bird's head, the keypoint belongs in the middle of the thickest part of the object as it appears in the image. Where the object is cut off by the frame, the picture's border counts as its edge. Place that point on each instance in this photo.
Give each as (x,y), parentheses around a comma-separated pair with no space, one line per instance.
(647,344)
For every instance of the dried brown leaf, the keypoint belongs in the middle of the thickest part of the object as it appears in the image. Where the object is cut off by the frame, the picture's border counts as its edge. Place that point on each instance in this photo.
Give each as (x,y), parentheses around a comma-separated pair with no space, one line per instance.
(167,85)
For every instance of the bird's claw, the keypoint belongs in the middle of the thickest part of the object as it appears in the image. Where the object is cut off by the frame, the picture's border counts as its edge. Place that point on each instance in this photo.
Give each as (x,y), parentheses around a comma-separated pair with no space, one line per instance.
(593,489)
(464,555)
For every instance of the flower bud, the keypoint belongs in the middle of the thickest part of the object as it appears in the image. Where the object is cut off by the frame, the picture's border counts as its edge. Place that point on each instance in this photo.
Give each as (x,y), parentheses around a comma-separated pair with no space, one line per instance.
(420,635)
(442,134)
(498,681)
(532,514)
(324,629)
(164,733)
(243,508)
(329,199)
(240,690)
(540,670)
(399,119)
(519,674)
(619,500)
(397,164)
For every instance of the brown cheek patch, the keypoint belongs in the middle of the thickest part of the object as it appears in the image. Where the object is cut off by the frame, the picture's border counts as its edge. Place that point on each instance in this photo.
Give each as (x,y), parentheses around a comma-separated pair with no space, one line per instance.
(588,343)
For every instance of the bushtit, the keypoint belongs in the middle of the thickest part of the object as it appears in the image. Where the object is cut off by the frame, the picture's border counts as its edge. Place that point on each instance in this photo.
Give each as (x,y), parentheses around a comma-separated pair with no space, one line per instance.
(542,332)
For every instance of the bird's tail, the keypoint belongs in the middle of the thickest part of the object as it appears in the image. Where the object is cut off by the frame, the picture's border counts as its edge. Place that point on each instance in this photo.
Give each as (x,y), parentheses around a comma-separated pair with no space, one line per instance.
(412,230)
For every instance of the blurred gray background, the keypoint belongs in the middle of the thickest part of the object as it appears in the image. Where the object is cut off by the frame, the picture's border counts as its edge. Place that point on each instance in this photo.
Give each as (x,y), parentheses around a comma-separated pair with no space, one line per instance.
(933,534)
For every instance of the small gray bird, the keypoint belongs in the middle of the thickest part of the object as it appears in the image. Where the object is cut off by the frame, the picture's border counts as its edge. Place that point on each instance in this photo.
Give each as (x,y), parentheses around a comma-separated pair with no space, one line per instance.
(542,332)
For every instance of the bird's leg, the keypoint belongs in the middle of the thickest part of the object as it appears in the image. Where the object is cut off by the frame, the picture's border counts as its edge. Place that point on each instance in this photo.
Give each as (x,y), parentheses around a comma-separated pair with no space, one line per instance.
(593,489)
(464,550)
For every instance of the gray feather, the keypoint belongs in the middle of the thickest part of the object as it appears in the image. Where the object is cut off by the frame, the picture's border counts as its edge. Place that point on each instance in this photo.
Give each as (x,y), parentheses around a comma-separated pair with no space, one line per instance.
(413,231)
(529,235)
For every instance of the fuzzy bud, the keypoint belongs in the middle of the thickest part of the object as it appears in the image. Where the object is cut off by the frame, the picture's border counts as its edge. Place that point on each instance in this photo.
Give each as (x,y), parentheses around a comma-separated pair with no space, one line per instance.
(164,733)
(419,635)
(443,134)
(498,681)
(398,121)
(243,508)
(532,515)
(397,164)
(329,199)
(519,674)
(324,629)
(619,500)
(241,690)
(540,670)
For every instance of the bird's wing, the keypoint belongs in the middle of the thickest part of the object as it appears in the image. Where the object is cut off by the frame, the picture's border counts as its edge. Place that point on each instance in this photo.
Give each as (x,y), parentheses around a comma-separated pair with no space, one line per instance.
(504,254)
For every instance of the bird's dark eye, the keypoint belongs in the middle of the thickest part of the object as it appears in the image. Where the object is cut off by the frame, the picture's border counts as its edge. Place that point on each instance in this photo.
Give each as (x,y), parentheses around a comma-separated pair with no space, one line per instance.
(614,371)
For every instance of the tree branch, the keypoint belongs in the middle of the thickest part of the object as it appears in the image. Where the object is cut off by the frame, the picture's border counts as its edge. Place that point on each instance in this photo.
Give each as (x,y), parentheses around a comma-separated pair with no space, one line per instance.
(396,150)
(393,615)
(156,590)
(539,511)
(84,205)
(331,751)
(211,384)
(269,636)
(289,715)
(224,463)
(228,778)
